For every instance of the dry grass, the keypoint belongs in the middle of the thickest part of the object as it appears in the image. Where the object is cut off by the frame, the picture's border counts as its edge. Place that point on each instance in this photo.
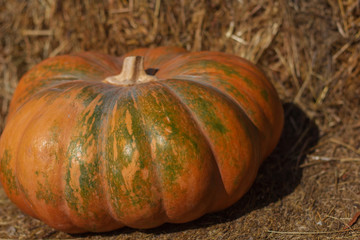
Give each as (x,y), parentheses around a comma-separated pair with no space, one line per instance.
(309,187)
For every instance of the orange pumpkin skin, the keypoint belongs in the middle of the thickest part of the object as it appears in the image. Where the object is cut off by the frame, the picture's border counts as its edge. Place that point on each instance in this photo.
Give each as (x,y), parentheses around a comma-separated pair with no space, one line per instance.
(82,154)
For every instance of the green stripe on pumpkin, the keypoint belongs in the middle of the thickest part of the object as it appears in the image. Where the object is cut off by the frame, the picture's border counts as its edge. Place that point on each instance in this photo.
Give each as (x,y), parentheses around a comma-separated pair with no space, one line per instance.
(228,70)
(205,110)
(205,104)
(265,95)
(7,172)
(86,137)
(173,134)
(127,148)
(44,189)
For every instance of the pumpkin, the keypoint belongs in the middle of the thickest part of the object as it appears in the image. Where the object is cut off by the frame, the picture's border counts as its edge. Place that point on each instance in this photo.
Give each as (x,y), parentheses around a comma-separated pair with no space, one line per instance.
(94,142)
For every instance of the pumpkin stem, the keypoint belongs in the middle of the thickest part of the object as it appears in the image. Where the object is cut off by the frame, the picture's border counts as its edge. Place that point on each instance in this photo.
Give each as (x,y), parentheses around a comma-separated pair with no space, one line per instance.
(132,73)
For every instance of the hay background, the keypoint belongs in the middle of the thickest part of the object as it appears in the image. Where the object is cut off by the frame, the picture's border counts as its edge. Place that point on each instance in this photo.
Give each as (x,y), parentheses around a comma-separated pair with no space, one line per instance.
(309,187)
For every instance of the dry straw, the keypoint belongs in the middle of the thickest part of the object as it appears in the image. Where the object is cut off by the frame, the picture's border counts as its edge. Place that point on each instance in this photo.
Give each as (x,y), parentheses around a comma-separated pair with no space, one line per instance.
(309,49)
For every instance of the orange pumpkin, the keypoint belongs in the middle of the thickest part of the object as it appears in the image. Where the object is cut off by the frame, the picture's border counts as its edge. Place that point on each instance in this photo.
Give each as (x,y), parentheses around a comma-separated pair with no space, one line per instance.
(86,148)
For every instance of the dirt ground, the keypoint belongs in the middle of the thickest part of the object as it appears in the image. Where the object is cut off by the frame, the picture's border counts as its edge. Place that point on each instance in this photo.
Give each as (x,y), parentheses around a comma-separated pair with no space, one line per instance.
(309,187)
